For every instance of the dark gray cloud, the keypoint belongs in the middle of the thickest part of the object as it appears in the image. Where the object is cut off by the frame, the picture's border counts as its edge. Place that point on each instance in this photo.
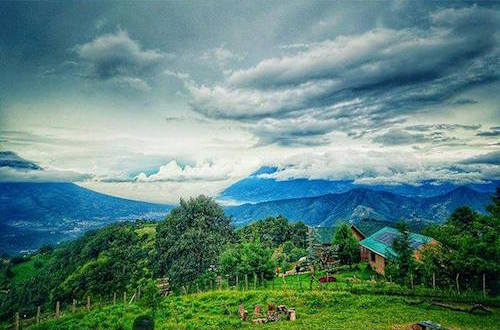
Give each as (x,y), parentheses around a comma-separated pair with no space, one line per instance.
(494,131)
(443,127)
(492,158)
(12,160)
(400,137)
(362,82)
(464,102)
(14,168)
(117,56)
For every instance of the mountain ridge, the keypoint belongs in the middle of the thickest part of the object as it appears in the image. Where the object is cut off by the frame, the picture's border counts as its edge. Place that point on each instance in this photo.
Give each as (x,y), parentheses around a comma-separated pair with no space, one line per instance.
(259,187)
(359,203)
(34,214)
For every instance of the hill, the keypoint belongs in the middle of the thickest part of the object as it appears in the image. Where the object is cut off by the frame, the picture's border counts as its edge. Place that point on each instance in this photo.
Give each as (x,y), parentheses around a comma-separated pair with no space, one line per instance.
(34,214)
(259,187)
(358,204)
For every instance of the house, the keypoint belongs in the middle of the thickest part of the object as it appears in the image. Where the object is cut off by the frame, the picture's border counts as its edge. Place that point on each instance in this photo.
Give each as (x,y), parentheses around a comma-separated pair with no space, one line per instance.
(357,233)
(377,248)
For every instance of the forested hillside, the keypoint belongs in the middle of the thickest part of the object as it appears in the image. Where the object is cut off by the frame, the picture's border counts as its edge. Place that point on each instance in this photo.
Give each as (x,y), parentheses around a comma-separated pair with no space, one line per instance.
(358,204)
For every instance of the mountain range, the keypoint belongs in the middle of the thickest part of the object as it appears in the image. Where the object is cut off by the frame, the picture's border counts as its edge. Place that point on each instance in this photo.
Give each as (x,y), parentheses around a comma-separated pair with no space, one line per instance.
(34,214)
(357,204)
(262,187)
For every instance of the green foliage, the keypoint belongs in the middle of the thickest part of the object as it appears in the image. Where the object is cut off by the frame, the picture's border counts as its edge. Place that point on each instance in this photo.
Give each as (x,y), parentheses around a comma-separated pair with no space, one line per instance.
(274,231)
(401,266)
(150,296)
(247,258)
(190,240)
(346,245)
(470,246)
(101,262)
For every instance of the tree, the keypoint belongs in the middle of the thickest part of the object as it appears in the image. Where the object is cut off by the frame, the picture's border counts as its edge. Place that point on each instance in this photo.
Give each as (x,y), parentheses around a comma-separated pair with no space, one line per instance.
(346,245)
(402,265)
(247,258)
(299,235)
(470,246)
(151,296)
(312,254)
(190,239)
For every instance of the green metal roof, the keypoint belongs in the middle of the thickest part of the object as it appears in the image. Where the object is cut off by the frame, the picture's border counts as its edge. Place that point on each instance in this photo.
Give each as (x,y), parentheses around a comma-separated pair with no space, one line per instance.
(381,241)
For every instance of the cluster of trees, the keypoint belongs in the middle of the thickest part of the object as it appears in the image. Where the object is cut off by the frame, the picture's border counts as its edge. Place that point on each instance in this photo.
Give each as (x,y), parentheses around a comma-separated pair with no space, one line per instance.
(196,243)
(113,259)
(467,255)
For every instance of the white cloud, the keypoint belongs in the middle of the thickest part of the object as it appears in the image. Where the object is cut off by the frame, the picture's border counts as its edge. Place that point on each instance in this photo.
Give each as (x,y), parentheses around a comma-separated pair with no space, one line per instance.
(135,83)
(381,167)
(222,56)
(201,171)
(227,102)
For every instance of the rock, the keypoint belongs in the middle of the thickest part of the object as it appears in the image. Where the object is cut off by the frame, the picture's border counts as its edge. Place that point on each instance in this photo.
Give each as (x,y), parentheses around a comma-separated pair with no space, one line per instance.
(257,310)
(242,313)
(259,321)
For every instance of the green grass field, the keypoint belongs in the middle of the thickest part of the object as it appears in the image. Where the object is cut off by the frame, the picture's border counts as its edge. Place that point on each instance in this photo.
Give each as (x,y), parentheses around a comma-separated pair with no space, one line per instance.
(323,309)
(355,301)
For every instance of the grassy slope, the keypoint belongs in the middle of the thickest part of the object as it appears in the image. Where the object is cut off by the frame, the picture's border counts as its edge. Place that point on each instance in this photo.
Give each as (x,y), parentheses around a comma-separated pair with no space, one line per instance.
(315,310)
(26,269)
(353,302)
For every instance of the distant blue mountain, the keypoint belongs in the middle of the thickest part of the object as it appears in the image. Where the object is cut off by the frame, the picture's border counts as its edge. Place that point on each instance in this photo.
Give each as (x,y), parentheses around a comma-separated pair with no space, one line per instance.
(34,214)
(357,204)
(254,189)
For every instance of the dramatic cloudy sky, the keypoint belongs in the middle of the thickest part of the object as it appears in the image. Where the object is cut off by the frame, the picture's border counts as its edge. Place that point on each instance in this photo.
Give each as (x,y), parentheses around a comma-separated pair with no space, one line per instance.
(159,100)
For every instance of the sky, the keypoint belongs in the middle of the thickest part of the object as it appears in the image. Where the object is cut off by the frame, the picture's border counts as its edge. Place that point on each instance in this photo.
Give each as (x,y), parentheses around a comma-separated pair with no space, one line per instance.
(160,100)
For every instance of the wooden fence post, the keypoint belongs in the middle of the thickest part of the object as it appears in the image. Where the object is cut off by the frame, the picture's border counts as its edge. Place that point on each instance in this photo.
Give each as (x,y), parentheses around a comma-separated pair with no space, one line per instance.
(73,306)
(262,279)
(57,309)
(114,298)
(88,303)
(458,286)
(38,315)
(237,283)
(411,281)
(434,280)
(17,321)
(132,299)
(484,285)
(246,282)
(124,297)
(139,293)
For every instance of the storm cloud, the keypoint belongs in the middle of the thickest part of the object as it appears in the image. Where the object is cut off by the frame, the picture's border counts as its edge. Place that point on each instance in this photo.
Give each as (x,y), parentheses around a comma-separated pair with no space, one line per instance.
(360,82)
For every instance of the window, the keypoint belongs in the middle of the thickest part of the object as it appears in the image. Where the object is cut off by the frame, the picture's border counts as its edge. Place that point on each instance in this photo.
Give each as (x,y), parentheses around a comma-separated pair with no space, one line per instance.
(372,256)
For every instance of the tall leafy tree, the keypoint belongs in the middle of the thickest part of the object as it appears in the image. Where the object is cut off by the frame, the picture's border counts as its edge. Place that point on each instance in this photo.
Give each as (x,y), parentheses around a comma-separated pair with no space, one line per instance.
(403,264)
(190,239)
(346,245)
